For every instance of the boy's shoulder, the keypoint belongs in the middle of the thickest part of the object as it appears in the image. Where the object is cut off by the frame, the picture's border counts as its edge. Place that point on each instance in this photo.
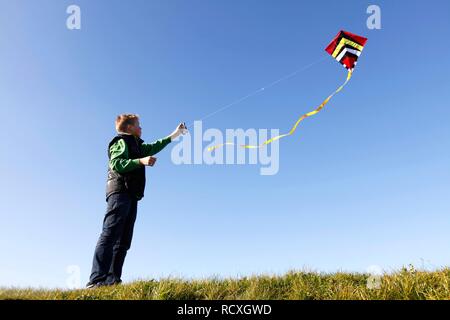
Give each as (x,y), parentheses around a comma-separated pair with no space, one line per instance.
(117,145)
(116,140)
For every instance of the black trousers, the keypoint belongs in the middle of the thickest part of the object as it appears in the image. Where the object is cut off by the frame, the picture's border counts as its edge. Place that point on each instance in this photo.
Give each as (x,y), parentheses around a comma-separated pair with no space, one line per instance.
(115,239)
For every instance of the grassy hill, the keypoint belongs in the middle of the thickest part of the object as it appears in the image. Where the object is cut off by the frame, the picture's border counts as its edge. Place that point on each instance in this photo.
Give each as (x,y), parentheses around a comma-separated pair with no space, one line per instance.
(407,283)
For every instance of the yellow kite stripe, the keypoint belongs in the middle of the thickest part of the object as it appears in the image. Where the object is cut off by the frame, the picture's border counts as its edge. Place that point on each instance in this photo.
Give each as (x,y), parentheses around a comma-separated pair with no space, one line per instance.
(343,42)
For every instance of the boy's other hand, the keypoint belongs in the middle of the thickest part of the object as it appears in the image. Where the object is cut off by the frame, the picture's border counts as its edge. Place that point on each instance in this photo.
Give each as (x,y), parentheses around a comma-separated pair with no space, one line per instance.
(147,161)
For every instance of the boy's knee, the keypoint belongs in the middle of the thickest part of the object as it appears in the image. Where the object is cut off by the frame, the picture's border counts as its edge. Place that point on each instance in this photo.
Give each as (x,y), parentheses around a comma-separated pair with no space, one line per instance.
(108,237)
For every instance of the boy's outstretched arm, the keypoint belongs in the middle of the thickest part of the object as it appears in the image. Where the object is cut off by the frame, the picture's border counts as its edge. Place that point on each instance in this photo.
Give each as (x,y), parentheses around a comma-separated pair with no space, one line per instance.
(150,149)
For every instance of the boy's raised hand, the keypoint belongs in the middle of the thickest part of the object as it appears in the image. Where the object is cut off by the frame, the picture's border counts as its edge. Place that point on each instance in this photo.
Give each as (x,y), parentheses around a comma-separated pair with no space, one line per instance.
(181,129)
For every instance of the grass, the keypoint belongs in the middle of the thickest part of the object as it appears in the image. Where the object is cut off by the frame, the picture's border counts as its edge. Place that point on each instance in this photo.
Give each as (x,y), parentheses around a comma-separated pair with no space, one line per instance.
(407,283)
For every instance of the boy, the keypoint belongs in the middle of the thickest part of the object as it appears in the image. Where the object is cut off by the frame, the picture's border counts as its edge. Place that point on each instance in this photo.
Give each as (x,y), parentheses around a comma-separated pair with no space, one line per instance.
(128,156)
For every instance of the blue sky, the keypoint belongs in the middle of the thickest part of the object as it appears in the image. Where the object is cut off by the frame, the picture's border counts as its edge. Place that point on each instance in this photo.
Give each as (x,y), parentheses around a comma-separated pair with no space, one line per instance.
(365,182)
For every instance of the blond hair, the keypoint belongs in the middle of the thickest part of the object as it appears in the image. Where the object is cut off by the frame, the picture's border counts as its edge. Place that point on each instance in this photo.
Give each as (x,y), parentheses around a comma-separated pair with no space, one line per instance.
(123,120)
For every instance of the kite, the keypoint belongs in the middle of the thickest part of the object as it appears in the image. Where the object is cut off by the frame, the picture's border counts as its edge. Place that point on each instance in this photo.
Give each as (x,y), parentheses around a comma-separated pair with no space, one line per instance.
(346,48)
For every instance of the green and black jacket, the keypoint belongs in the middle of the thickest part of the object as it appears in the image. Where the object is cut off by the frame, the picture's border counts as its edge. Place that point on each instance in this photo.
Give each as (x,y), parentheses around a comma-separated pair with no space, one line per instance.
(125,173)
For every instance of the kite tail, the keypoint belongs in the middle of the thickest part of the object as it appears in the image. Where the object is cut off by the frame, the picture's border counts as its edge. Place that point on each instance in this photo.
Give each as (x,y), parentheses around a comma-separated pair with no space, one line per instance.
(306,115)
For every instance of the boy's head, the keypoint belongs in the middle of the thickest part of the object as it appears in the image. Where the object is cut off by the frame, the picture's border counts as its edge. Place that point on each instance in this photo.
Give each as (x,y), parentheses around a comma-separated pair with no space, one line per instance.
(128,123)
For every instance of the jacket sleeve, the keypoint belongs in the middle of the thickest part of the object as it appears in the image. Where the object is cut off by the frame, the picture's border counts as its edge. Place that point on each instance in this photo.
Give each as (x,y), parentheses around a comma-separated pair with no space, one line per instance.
(119,160)
(150,149)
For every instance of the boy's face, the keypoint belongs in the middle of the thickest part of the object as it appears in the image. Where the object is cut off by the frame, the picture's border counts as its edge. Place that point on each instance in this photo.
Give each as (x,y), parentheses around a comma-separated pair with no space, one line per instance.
(135,129)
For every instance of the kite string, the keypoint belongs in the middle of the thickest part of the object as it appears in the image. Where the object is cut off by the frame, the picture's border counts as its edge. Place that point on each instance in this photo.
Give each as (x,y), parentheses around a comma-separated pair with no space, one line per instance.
(251,94)
(313,112)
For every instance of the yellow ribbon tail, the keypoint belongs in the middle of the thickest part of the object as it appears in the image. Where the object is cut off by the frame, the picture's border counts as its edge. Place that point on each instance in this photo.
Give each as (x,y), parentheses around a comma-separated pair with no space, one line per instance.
(220,145)
(306,115)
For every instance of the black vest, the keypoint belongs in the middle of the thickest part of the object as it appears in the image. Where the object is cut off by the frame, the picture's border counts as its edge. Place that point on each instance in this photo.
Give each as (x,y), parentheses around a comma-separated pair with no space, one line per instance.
(133,181)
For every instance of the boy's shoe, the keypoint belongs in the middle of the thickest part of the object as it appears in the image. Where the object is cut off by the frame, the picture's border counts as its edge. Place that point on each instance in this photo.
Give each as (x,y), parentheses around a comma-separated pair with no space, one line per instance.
(90,285)
(113,282)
